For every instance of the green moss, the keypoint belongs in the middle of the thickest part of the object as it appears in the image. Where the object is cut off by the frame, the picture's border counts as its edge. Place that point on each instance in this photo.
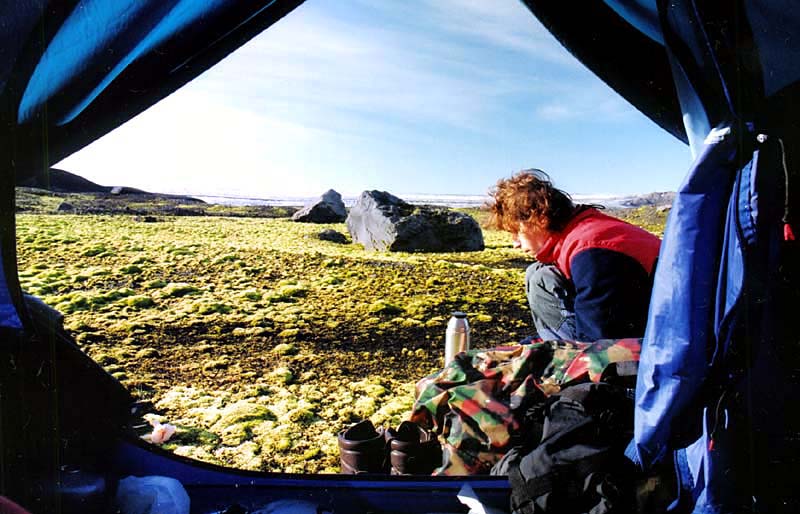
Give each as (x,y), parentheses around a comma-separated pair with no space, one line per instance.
(220,322)
(182,251)
(283,444)
(384,308)
(288,293)
(147,353)
(140,302)
(95,251)
(213,308)
(227,258)
(104,359)
(301,416)
(311,453)
(242,412)
(190,435)
(216,364)
(174,290)
(283,375)
(285,349)
(252,295)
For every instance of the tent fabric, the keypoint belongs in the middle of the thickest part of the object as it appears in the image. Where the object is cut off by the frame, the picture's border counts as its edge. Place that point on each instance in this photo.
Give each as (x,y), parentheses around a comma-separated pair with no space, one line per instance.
(709,357)
(642,15)
(77,67)
(71,71)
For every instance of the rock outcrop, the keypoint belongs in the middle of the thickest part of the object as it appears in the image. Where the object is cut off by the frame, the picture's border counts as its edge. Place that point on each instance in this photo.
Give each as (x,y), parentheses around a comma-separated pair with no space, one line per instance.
(381,221)
(657,199)
(329,208)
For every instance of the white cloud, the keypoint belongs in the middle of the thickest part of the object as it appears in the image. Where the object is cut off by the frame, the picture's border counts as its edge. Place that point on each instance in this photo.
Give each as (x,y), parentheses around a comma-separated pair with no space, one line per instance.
(323,91)
(328,66)
(506,24)
(326,71)
(591,103)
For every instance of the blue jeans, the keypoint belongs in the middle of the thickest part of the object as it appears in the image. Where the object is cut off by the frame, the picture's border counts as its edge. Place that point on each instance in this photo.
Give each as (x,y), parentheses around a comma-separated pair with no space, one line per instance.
(551,297)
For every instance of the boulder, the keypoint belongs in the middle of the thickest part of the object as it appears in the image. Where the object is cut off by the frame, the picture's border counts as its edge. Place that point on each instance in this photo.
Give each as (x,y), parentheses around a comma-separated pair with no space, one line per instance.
(333,236)
(381,221)
(329,208)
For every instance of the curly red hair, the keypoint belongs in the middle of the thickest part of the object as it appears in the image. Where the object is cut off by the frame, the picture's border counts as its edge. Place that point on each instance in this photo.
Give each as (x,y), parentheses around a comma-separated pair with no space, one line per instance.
(528,196)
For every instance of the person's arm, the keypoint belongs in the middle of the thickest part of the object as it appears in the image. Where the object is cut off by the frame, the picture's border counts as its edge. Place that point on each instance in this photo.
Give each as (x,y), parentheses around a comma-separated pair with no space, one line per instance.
(612,295)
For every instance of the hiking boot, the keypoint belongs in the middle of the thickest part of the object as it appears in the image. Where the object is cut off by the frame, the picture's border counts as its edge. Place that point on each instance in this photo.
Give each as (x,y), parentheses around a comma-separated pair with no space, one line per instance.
(413,450)
(362,449)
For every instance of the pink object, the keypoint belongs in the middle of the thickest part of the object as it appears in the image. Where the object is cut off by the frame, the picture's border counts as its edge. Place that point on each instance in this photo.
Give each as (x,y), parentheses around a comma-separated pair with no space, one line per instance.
(161,433)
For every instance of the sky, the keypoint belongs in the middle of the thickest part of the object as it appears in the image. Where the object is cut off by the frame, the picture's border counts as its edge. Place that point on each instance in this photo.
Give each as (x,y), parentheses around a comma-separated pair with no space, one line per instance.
(406,96)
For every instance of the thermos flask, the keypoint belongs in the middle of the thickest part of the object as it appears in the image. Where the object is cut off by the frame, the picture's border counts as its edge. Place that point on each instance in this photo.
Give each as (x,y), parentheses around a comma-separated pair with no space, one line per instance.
(456,337)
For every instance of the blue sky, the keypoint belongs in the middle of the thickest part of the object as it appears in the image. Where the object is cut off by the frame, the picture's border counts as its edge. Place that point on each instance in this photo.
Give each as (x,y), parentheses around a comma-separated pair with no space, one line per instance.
(423,96)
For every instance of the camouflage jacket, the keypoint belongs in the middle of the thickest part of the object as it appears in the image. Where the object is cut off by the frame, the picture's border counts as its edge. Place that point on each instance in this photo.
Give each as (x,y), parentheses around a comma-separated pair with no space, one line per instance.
(475,404)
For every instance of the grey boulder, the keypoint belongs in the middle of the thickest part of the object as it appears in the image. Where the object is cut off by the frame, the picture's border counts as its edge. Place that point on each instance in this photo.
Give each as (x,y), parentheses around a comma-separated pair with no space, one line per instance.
(329,208)
(381,221)
(332,236)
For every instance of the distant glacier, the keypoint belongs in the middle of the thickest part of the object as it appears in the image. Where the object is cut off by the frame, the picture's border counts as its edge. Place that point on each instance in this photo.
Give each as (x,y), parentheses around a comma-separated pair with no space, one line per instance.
(446,200)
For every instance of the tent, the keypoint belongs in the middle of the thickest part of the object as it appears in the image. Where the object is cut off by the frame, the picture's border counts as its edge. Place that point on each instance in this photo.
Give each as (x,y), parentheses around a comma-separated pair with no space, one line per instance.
(718,361)
(716,364)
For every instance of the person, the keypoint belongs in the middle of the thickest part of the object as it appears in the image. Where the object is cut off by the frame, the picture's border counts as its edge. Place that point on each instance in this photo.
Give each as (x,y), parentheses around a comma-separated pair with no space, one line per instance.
(593,273)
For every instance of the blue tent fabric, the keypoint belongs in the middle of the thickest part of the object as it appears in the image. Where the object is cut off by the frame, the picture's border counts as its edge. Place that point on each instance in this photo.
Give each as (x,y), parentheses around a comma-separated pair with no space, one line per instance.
(709,357)
(716,305)
(642,14)
(680,311)
(131,29)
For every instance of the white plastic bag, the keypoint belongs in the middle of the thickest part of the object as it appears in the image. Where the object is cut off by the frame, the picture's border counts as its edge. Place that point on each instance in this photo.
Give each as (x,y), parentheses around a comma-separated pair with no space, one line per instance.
(468,497)
(152,495)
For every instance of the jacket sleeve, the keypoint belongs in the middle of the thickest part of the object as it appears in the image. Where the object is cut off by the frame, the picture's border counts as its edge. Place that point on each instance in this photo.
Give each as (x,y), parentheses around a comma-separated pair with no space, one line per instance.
(612,295)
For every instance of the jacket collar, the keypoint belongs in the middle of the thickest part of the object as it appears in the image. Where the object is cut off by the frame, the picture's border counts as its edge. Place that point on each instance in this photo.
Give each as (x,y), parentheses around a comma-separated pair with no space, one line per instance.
(548,253)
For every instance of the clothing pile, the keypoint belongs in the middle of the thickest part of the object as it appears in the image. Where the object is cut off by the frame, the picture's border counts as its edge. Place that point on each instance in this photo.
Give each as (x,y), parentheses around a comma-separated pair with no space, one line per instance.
(477,404)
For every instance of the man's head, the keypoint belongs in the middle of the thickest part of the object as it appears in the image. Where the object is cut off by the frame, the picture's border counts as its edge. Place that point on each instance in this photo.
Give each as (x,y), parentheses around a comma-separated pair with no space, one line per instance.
(528,203)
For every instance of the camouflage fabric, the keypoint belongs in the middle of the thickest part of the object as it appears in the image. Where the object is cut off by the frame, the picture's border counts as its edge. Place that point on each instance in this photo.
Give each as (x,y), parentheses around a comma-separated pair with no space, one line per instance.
(475,404)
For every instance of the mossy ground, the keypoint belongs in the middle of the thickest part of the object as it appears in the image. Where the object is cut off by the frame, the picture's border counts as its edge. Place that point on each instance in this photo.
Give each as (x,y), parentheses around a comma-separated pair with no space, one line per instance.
(254,337)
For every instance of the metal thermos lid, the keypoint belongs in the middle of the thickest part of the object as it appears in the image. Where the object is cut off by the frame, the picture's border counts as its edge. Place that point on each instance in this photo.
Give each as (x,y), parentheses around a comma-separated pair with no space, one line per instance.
(458,323)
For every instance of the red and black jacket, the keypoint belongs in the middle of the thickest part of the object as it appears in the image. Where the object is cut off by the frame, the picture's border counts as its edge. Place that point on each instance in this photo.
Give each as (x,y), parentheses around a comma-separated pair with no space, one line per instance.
(611,263)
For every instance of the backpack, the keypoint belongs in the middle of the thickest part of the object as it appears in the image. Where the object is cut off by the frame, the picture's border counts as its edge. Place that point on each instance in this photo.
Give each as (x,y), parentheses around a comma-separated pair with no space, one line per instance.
(578,463)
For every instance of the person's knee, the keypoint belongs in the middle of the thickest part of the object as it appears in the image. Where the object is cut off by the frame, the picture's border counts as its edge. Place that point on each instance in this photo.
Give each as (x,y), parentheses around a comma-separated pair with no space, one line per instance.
(543,278)
(534,275)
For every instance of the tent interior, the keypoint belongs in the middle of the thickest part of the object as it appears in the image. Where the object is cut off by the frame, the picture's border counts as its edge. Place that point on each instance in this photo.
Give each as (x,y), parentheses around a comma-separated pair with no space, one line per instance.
(72,71)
